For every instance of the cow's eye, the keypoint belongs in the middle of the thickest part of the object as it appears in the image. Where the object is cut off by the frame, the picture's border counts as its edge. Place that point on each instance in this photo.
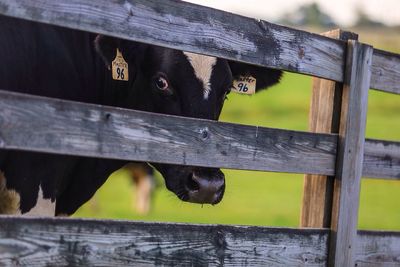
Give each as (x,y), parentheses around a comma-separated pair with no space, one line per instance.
(162,83)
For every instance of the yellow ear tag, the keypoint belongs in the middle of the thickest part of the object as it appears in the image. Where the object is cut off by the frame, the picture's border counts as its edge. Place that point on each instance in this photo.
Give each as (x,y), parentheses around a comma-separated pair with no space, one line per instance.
(120,71)
(245,85)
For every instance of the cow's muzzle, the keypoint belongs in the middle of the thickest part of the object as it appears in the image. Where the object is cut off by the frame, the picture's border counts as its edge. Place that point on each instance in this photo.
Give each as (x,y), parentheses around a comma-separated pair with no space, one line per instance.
(205,186)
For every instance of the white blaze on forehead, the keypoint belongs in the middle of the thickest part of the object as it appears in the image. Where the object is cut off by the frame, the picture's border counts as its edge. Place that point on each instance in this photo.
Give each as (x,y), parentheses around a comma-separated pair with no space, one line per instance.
(203,67)
(43,207)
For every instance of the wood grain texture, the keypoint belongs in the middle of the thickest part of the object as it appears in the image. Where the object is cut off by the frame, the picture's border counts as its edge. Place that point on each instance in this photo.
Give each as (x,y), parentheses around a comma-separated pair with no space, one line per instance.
(192,28)
(72,242)
(204,30)
(381,157)
(324,117)
(56,126)
(350,155)
(376,249)
(317,189)
(77,242)
(40,124)
(385,71)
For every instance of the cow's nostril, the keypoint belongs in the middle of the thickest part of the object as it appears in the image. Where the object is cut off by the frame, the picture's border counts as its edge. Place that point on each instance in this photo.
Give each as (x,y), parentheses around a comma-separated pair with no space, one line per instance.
(191,184)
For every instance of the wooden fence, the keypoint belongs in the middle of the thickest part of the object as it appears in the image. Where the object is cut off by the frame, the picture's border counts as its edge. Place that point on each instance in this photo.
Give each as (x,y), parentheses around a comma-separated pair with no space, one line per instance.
(334,159)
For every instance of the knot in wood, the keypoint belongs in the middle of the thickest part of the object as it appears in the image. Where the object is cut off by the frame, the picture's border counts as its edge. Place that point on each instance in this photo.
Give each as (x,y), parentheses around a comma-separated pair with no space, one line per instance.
(204,133)
(302,53)
(107,117)
(219,240)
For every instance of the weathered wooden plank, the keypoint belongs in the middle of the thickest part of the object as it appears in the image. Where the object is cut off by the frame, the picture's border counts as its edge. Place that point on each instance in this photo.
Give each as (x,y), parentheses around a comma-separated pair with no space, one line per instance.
(40,124)
(381,159)
(324,117)
(198,29)
(385,71)
(72,242)
(55,126)
(193,28)
(376,249)
(77,242)
(350,155)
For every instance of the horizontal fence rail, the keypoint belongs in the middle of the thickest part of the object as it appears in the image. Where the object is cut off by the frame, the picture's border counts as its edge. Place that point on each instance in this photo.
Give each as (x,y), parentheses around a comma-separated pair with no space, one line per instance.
(198,29)
(36,242)
(378,248)
(385,71)
(92,243)
(72,128)
(381,158)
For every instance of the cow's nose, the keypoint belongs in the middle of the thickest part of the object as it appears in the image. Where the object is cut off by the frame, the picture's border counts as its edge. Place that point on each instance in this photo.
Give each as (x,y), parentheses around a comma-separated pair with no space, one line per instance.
(205,187)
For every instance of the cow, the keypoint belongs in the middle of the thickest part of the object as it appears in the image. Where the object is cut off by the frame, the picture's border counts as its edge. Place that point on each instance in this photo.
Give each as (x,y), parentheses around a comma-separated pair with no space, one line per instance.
(73,65)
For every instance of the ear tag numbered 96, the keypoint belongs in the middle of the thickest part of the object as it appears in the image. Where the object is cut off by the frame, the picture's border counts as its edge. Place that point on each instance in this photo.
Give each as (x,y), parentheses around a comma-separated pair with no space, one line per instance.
(245,85)
(119,69)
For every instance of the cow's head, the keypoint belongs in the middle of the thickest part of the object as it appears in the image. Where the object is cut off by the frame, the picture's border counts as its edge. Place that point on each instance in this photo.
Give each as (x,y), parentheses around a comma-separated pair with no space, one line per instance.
(185,84)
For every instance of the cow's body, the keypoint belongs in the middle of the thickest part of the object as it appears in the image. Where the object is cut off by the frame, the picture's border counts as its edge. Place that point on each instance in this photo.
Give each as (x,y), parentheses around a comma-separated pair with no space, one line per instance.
(62,63)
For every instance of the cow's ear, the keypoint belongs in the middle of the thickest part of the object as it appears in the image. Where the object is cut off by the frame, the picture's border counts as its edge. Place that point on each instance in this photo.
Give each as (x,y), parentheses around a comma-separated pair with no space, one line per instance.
(107,47)
(265,77)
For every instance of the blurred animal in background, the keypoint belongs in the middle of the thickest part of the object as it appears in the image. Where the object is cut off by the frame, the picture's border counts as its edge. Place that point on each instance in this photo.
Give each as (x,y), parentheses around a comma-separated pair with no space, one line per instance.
(144,184)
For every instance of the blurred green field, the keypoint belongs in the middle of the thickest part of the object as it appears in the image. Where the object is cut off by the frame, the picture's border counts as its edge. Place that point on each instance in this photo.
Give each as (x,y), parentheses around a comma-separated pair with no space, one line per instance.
(259,198)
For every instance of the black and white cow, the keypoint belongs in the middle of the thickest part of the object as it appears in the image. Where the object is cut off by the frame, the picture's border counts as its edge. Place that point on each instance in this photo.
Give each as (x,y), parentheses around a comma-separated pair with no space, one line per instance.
(56,62)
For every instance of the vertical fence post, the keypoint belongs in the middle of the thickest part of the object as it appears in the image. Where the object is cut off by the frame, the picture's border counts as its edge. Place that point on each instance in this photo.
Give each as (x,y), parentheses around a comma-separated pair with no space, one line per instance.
(326,100)
(350,154)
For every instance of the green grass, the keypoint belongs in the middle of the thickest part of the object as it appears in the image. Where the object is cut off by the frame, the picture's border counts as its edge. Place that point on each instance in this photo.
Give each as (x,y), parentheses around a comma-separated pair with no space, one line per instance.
(260,198)
(264,203)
